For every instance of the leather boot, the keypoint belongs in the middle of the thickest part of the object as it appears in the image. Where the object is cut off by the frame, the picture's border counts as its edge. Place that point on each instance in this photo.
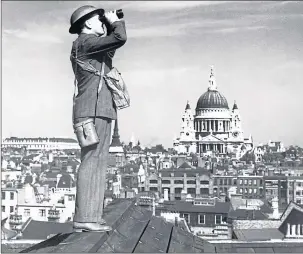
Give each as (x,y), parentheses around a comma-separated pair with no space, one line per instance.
(90,227)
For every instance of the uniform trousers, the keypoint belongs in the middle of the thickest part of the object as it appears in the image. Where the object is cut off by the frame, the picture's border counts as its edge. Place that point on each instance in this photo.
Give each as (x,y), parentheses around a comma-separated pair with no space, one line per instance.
(91,179)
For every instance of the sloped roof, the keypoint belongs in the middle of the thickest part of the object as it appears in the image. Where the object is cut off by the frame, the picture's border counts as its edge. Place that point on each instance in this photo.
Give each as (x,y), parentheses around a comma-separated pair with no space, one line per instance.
(134,230)
(66,181)
(258,234)
(36,230)
(243,214)
(185,165)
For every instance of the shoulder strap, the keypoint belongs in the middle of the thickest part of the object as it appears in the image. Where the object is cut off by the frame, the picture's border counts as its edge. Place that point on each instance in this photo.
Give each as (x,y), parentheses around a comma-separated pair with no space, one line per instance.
(99,86)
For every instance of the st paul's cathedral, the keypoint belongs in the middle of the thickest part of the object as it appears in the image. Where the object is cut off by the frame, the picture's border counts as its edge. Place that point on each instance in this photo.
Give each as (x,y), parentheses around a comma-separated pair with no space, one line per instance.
(214,128)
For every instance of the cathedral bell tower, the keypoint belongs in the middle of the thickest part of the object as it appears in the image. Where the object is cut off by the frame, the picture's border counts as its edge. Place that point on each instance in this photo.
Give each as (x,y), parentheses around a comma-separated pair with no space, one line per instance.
(187,140)
(236,126)
(187,132)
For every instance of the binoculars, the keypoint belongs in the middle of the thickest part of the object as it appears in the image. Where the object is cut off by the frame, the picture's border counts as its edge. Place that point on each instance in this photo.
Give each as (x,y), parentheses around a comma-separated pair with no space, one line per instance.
(119,14)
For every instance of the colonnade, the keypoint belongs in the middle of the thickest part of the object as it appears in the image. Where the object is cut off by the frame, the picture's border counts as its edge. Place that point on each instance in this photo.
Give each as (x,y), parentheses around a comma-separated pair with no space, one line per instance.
(215,125)
(203,148)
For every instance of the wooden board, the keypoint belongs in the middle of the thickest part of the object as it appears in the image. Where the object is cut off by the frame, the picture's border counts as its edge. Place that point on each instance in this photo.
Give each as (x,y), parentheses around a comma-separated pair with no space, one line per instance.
(156,237)
(127,235)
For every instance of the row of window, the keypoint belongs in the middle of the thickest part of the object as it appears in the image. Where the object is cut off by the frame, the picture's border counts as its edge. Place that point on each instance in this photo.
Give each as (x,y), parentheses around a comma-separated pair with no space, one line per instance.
(225,181)
(11,209)
(201,218)
(250,181)
(3,195)
(248,190)
(204,191)
(177,182)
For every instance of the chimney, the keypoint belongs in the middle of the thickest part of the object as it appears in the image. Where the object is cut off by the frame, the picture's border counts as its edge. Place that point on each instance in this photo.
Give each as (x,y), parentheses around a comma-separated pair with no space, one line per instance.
(275,207)
(183,194)
(154,207)
(58,179)
(50,157)
(166,195)
(46,192)
(29,194)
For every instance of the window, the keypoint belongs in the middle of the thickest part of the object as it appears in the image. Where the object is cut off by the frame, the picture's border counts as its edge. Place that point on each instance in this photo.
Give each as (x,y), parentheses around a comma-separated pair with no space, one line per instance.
(42,212)
(165,181)
(27,212)
(3,195)
(250,190)
(11,209)
(241,190)
(191,182)
(3,208)
(255,182)
(178,182)
(12,195)
(250,182)
(255,191)
(298,201)
(201,219)
(204,182)
(218,219)
(229,182)
(235,181)
(215,181)
(241,181)
(153,189)
(245,181)
(153,181)
(221,181)
(186,216)
(298,193)
(225,181)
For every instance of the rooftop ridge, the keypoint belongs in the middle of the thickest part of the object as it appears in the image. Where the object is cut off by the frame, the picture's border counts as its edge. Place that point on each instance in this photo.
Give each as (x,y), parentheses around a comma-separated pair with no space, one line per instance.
(135,229)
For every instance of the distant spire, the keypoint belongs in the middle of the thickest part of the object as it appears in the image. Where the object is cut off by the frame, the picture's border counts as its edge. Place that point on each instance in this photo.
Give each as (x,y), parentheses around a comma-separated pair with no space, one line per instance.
(116,136)
(212,81)
(132,139)
(187,106)
(235,105)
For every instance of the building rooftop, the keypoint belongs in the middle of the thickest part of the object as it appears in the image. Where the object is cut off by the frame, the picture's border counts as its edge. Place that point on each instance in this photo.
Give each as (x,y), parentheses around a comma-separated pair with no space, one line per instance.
(184,206)
(134,230)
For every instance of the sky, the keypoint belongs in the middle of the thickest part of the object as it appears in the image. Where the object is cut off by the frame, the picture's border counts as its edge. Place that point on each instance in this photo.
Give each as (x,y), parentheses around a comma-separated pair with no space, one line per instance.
(255,48)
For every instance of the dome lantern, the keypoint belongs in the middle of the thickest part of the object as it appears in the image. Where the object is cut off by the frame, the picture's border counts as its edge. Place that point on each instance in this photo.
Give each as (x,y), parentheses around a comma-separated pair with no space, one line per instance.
(212,80)
(212,98)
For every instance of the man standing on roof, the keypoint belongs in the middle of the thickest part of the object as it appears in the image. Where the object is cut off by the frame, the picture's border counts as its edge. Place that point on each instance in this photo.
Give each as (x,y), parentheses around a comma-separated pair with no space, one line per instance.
(100,34)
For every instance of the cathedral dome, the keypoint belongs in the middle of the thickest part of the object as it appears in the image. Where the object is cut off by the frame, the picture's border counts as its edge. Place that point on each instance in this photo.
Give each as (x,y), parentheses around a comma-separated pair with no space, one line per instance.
(212,99)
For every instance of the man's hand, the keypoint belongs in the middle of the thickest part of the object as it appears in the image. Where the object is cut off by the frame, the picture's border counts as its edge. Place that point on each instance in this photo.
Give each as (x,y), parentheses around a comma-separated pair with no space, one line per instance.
(111,16)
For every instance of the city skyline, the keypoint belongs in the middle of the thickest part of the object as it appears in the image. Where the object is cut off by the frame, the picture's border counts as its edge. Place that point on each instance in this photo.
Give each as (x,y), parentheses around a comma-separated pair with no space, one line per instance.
(253,46)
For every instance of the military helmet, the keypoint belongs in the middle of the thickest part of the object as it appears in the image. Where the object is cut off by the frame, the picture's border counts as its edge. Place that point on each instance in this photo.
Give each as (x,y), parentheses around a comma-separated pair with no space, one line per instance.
(82,14)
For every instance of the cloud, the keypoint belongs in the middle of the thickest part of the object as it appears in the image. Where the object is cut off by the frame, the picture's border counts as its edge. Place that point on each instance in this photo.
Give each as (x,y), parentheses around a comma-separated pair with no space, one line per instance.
(35,36)
(237,29)
(155,6)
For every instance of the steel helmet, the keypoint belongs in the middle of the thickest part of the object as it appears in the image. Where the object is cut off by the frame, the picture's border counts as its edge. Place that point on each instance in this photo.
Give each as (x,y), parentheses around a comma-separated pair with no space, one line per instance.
(81,14)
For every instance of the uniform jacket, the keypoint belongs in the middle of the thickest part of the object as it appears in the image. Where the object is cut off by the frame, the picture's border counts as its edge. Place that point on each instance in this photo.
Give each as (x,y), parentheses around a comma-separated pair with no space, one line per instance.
(93,49)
